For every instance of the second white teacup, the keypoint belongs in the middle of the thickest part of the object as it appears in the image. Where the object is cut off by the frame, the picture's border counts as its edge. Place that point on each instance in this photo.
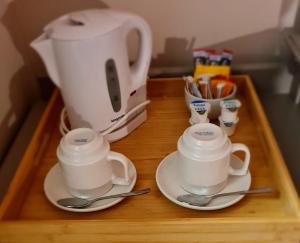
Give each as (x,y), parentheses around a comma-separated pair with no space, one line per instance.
(203,162)
(85,158)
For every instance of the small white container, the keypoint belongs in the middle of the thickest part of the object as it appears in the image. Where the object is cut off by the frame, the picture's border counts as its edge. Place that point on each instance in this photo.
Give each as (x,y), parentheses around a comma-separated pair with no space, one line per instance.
(228,127)
(199,112)
(229,115)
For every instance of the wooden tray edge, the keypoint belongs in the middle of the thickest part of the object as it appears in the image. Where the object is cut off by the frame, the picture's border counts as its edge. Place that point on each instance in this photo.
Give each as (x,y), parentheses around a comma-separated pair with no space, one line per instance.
(264,230)
(30,157)
(286,183)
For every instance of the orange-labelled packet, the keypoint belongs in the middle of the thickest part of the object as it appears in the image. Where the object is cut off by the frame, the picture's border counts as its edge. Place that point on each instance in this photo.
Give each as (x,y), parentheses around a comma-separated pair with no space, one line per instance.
(227,88)
(221,87)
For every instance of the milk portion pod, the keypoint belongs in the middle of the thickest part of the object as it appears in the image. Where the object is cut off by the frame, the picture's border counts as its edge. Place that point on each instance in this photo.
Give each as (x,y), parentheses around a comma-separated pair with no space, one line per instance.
(229,115)
(199,112)
(229,110)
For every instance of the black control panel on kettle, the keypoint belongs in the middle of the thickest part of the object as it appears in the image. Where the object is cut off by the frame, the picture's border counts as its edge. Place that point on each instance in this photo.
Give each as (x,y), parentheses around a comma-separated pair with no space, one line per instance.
(113,84)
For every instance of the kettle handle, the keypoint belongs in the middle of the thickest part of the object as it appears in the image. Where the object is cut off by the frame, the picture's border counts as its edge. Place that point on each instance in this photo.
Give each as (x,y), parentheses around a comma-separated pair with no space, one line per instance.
(139,69)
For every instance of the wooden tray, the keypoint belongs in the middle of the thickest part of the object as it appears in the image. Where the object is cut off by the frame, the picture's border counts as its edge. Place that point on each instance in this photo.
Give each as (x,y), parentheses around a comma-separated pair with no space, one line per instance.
(27,216)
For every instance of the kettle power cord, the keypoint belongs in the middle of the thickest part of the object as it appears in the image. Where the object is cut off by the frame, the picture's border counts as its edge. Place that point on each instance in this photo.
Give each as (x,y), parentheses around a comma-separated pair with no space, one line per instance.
(64,129)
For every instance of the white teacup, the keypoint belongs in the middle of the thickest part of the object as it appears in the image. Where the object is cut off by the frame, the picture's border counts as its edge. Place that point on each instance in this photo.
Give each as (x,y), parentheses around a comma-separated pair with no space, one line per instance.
(204,152)
(85,158)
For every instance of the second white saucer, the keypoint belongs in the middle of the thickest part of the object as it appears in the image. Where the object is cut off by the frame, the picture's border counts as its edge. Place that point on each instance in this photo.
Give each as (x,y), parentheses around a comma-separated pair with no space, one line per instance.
(55,189)
(166,179)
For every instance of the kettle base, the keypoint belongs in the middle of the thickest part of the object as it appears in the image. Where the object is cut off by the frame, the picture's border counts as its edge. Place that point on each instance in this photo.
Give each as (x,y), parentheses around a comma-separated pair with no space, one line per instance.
(127,128)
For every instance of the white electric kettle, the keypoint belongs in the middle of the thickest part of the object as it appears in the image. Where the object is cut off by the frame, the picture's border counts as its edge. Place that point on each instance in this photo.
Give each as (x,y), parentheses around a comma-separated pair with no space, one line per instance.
(85,54)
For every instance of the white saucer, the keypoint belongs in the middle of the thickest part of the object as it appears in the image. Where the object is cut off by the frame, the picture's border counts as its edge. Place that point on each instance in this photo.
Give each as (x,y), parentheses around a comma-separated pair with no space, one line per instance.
(166,179)
(55,188)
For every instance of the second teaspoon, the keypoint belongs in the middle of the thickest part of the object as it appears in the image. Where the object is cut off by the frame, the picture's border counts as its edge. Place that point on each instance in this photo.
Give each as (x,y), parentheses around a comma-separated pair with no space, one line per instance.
(201,200)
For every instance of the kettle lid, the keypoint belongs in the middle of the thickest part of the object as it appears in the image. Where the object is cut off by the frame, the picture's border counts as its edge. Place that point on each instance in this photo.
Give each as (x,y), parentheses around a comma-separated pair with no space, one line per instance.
(84,24)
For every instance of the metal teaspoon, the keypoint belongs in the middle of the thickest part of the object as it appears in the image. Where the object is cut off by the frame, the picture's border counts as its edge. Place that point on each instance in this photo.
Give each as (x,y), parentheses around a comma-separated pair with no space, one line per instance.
(201,200)
(75,202)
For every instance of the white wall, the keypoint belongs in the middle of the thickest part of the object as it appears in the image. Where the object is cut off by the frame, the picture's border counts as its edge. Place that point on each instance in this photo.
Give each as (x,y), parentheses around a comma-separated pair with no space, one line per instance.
(13,93)
(210,22)
(251,27)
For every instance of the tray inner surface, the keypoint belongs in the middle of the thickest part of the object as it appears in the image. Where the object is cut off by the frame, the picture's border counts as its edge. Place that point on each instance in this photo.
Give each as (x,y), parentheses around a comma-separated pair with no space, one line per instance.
(146,147)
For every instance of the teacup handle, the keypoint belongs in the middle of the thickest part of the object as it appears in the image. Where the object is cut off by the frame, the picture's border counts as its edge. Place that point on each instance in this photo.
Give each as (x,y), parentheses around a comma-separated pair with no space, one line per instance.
(125,162)
(242,171)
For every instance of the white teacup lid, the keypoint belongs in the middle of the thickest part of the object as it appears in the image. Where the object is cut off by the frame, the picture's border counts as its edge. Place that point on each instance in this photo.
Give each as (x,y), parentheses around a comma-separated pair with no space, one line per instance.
(82,145)
(208,135)
(81,139)
(204,140)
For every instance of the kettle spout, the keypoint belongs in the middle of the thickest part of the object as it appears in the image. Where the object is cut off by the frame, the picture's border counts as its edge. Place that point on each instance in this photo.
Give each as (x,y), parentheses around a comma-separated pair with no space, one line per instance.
(43,46)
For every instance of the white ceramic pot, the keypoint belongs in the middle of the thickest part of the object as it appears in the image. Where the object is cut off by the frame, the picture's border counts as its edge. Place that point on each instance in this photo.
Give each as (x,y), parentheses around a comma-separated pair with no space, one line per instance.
(204,159)
(85,158)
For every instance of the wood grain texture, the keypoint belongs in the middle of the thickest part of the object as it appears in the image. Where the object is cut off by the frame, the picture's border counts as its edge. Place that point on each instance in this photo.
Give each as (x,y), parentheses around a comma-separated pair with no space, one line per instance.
(248,230)
(152,217)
